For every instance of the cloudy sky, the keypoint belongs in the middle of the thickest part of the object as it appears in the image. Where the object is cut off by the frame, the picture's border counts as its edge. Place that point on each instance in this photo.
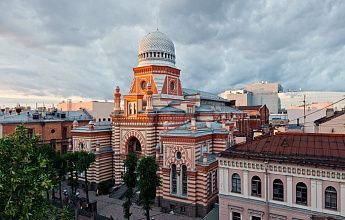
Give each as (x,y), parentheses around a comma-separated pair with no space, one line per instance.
(54,50)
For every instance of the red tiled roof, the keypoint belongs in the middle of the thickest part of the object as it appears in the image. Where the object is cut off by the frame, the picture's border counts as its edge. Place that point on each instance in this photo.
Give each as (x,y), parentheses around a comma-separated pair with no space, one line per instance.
(304,147)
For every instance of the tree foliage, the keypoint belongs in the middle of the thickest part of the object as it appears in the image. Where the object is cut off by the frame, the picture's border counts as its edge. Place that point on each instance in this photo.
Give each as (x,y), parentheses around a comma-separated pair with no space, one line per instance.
(23,177)
(83,164)
(130,181)
(148,181)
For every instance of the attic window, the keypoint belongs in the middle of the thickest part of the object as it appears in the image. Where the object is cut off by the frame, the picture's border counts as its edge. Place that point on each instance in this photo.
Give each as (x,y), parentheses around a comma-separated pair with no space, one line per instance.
(285,143)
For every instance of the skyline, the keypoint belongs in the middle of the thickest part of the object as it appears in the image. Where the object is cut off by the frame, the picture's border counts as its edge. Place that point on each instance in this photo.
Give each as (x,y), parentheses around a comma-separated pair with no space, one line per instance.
(50,52)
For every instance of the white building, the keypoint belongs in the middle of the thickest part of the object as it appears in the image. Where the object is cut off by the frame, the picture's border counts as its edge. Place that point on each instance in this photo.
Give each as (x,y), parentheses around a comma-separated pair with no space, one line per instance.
(99,110)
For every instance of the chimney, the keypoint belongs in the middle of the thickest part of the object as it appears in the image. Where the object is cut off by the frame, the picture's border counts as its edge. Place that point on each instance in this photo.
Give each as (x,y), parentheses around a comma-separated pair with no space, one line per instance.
(149,99)
(117,100)
(193,126)
(166,126)
(91,126)
(75,124)
(69,104)
(97,146)
(94,120)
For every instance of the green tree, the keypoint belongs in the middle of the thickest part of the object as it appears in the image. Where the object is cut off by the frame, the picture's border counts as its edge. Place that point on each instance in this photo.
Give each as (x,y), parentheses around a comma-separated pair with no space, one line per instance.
(23,177)
(72,159)
(130,181)
(83,164)
(149,180)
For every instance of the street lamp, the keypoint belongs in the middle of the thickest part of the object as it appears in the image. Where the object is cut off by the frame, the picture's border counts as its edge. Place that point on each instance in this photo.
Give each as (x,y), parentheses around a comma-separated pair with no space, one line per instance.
(65,193)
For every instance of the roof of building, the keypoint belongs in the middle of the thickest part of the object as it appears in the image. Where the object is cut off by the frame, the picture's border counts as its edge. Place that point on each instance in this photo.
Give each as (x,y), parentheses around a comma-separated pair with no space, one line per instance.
(97,127)
(326,119)
(298,147)
(203,128)
(28,116)
(156,42)
(250,108)
(203,95)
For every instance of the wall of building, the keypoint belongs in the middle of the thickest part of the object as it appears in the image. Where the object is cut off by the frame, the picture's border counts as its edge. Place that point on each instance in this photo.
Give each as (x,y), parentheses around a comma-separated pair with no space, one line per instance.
(100,110)
(334,126)
(317,179)
(313,112)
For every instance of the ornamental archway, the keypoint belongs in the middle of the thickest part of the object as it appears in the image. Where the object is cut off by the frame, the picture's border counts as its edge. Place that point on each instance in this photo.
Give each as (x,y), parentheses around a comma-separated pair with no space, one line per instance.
(133,141)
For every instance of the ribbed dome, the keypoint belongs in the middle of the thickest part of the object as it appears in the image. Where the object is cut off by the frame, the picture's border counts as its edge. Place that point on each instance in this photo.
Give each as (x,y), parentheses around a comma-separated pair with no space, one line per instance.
(156,49)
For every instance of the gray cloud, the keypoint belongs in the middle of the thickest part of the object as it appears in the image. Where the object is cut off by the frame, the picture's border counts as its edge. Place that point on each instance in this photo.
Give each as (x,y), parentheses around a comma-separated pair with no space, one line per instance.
(86,48)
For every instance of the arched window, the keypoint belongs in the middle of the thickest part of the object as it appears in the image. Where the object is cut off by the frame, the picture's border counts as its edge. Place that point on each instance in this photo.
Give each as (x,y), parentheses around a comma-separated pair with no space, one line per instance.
(256,186)
(173,179)
(134,109)
(278,190)
(216,180)
(130,108)
(184,180)
(301,193)
(331,198)
(236,183)
(210,184)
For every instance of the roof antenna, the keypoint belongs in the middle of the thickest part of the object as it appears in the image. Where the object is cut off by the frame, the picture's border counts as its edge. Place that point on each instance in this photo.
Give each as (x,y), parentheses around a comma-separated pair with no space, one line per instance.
(157,24)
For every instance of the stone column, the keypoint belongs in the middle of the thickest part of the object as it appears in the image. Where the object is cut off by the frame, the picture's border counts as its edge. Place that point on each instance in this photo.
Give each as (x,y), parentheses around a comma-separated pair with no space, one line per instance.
(319,196)
(313,194)
(245,183)
(342,199)
(289,190)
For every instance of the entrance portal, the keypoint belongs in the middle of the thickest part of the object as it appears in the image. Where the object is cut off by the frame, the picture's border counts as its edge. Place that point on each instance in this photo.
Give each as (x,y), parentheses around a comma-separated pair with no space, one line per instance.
(134,146)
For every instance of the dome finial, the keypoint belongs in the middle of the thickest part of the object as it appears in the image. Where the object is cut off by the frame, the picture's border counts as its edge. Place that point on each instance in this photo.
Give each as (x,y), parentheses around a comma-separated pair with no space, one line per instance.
(157,24)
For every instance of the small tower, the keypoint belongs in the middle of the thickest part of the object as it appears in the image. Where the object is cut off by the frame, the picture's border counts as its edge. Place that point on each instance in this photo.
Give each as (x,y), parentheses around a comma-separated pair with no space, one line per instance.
(149,100)
(117,100)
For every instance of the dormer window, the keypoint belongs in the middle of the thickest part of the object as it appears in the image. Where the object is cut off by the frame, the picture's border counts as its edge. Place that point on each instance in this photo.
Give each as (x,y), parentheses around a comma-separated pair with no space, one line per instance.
(143,85)
(172,86)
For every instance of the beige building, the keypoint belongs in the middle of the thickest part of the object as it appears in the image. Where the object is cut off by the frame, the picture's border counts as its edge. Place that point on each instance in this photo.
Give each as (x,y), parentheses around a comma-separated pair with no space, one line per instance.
(99,110)
(256,94)
(312,112)
(334,124)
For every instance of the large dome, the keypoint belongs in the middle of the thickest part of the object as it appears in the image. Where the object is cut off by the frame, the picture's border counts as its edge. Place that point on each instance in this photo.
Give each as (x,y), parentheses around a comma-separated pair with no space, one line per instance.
(156,49)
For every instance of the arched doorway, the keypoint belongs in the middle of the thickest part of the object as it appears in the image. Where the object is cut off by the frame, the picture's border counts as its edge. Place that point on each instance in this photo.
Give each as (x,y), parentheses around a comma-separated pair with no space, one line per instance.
(134,146)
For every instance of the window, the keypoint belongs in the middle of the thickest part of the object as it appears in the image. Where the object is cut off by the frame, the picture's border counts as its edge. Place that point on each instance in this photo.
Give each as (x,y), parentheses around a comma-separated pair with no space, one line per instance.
(256,186)
(331,198)
(236,216)
(301,193)
(30,132)
(210,184)
(173,179)
(81,146)
(172,86)
(236,183)
(108,119)
(256,218)
(184,180)
(183,209)
(53,143)
(143,85)
(52,131)
(64,149)
(278,190)
(216,180)
(64,132)
(104,119)
(178,155)
(130,108)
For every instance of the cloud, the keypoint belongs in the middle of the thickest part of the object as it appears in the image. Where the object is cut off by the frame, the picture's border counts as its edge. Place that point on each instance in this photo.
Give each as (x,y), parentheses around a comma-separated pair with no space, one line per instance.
(85,49)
